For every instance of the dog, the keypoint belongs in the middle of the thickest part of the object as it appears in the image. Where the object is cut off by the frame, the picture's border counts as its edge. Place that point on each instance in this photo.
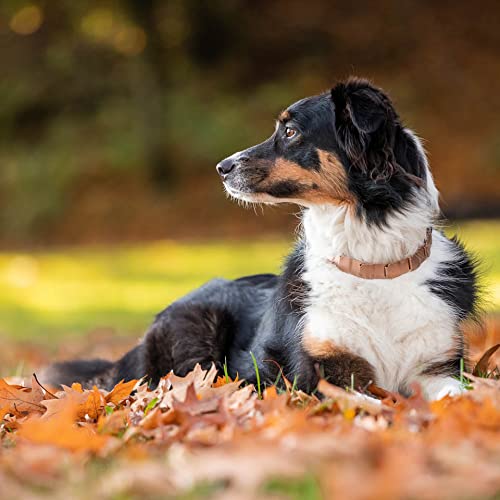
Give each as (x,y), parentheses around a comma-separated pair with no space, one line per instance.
(372,292)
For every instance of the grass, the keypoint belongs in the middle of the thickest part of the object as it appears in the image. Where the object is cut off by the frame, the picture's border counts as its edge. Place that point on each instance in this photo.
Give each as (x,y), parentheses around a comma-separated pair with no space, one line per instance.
(304,488)
(69,292)
(257,374)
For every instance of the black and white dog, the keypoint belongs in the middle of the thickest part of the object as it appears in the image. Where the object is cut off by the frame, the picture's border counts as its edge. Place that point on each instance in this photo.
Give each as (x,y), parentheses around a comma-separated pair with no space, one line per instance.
(371,291)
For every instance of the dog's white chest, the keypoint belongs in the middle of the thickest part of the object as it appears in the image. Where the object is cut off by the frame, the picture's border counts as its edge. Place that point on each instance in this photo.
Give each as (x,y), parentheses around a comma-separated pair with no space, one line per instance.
(397,325)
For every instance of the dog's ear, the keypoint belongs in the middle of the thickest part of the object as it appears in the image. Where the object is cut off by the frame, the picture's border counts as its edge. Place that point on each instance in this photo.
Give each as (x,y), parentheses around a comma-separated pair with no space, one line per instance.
(358,102)
(365,126)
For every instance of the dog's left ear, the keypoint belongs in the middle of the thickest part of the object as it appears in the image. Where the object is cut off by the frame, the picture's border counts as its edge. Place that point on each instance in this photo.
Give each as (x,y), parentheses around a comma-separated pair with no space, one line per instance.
(364,123)
(358,102)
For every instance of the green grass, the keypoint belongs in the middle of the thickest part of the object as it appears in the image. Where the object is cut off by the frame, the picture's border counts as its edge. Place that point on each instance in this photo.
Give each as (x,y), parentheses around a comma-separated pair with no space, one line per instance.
(305,488)
(52,294)
(69,292)
(483,239)
(257,374)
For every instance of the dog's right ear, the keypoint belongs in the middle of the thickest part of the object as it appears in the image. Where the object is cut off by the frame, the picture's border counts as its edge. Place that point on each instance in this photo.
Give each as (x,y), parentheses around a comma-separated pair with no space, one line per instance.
(363,117)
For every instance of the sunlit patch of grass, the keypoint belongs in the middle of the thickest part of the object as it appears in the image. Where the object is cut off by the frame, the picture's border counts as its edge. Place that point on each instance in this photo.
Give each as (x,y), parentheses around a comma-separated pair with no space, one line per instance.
(69,292)
(49,294)
(483,239)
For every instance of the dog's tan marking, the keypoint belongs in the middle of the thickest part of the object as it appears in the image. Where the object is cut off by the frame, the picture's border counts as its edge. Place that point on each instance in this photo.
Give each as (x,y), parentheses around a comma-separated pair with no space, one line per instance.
(284,116)
(333,176)
(340,365)
(320,348)
(329,185)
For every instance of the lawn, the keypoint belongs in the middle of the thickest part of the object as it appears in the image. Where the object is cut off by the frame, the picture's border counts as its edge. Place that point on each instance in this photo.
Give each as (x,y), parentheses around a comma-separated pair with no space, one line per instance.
(71,292)
(50,295)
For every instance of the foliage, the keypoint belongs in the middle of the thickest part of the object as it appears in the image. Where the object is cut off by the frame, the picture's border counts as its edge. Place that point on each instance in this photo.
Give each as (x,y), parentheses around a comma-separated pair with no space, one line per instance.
(105,102)
(194,436)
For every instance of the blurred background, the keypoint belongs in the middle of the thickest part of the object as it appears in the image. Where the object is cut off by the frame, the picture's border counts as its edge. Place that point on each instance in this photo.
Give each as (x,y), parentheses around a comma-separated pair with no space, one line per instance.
(113,115)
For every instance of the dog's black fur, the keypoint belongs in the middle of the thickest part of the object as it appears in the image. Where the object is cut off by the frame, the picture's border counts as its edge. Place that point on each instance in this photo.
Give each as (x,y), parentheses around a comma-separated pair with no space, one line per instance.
(226,320)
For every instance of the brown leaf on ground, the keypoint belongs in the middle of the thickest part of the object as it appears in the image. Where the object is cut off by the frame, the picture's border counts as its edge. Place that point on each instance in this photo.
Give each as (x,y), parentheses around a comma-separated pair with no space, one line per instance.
(60,430)
(93,405)
(224,380)
(120,392)
(20,401)
(351,401)
(481,367)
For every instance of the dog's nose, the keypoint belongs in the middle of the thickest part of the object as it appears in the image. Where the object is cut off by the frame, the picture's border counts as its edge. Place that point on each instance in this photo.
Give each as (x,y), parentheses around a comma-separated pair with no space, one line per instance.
(225,166)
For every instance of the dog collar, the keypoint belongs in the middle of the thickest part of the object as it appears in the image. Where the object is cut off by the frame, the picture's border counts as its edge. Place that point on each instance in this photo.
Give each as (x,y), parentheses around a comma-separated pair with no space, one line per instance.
(385,271)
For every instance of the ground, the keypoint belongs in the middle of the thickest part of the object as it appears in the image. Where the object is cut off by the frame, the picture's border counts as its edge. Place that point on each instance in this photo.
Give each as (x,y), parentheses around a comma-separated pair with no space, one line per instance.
(202,437)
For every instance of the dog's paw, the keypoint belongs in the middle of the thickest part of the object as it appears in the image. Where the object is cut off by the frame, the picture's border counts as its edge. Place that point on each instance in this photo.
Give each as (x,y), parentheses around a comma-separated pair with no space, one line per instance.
(448,390)
(438,388)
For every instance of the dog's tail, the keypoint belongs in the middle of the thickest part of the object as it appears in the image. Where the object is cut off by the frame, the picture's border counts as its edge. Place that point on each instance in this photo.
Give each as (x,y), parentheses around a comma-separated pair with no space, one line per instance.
(86,372)
(89,372)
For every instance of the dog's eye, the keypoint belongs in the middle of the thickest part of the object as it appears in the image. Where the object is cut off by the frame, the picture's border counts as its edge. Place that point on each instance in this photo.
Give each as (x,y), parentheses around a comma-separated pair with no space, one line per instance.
(290,132)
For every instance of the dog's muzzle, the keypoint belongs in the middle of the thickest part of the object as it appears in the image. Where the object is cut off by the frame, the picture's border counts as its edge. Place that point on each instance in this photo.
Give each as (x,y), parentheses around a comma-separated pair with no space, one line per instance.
(230,164)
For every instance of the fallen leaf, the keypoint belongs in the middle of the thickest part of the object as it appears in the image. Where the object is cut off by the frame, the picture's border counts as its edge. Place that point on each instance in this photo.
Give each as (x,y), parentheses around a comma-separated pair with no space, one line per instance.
(88,404)
(60,430)
(93,405)
(224,381)
(270,393)
(348,400)
(35,384)
(481,367)
(76,387)
(20,401)
(120,392)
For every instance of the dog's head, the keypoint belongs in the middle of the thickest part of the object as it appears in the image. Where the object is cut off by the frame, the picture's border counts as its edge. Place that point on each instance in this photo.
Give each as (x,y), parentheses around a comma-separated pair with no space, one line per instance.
(347,146)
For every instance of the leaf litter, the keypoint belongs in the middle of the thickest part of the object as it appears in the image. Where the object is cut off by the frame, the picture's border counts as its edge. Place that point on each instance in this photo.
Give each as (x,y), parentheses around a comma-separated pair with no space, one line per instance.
(203,435)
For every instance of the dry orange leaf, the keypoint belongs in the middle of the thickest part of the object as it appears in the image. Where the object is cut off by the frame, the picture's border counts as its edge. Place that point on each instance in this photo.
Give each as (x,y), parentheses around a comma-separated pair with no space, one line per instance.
(87,403)
(60,430)
(93,405)
(20,401)
(224,381)
(220,382)
(120,392)
(77,387)
(270,392)
(481,367)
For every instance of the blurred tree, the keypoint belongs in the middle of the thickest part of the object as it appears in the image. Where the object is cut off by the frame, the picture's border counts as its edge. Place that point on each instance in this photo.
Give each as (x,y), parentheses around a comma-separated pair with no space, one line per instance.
(154,80)
(113,112)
